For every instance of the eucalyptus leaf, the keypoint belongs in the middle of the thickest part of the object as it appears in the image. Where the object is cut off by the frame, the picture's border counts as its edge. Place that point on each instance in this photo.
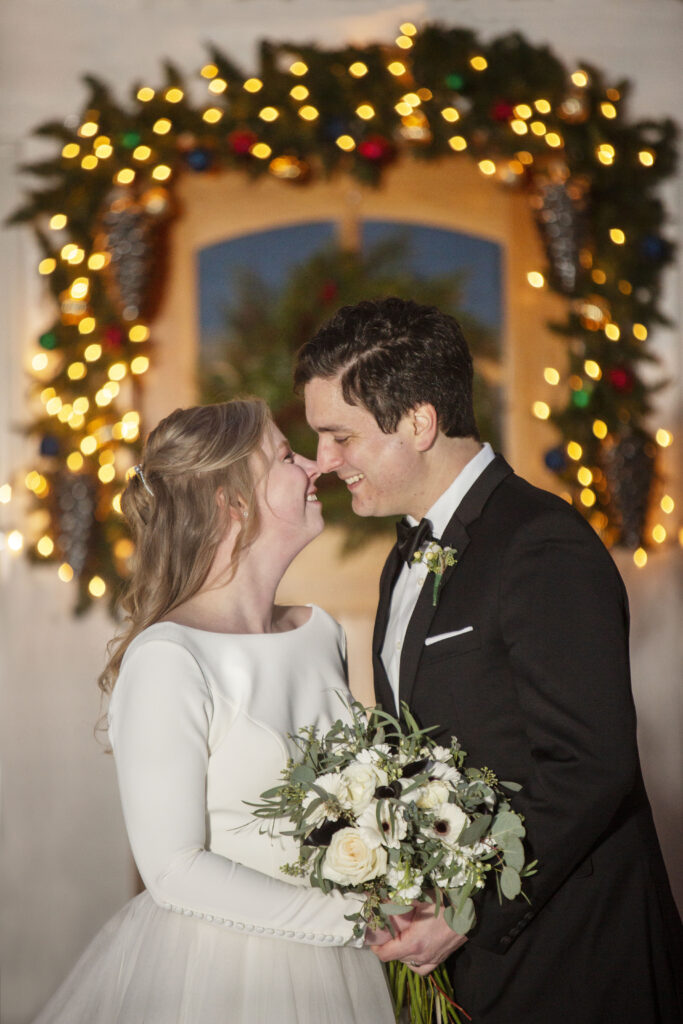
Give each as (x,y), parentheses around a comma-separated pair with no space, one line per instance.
(460,921)
(510,882)
(513,854)
(475,830)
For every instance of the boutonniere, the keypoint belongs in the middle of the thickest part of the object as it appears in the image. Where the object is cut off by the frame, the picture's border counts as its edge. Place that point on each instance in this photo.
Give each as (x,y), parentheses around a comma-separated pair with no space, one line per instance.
(436,559)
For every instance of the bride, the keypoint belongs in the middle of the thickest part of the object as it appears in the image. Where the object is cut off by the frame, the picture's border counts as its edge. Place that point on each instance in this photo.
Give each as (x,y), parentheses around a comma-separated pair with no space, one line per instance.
(206,685)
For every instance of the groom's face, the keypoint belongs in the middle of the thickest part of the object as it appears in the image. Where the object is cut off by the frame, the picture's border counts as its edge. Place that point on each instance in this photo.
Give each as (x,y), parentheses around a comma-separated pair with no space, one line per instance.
(380,470)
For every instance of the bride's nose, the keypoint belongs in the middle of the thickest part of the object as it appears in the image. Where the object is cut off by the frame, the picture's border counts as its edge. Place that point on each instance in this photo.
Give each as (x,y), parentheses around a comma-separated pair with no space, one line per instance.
(310,467)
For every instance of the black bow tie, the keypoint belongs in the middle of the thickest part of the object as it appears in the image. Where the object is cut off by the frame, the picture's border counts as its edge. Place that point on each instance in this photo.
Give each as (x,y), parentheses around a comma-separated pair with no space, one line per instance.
(411,538)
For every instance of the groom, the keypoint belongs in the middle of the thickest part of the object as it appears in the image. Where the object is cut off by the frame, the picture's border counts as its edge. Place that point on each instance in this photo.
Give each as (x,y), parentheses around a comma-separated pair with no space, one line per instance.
(524,658)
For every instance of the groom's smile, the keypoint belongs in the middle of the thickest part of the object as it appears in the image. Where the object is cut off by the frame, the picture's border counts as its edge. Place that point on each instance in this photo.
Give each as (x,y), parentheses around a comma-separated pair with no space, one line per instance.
(380,470)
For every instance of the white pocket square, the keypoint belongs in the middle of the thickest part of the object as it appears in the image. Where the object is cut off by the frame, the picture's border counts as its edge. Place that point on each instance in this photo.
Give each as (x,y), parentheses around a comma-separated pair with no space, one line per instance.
(447,636)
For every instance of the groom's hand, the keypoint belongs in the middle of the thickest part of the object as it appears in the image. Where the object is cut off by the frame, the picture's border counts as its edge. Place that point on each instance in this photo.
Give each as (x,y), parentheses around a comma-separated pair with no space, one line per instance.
(426,942)
(379,936)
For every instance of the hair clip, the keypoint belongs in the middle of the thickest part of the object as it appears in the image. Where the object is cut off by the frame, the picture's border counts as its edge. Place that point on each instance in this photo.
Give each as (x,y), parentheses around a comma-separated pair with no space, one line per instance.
(138,472)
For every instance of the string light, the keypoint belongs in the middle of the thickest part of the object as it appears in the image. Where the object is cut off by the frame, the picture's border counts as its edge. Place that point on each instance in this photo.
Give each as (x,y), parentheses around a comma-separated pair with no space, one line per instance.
(551,375)
(218,86)
(664,438)
(640,557)
(479,63)
(458,143)
(15,541)
(667,504)
(145,94)
(253,85)
(541,410)
(535,279)
(47,266)
(358,69)
(346,143)
(299,92)
(65,572)
(450,114)
(45,546)
(365,111)
(298,68)
(308,113)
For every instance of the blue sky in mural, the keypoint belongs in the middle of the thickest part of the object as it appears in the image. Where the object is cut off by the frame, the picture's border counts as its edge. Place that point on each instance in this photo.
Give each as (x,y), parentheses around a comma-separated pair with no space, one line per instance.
(271,254)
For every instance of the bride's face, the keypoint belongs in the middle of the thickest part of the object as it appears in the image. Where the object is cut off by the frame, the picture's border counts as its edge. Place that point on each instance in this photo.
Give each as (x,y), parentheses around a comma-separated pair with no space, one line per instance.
(286,496)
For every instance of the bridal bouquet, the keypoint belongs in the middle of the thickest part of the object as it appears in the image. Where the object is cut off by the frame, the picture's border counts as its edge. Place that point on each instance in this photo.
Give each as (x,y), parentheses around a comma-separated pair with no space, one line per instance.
(381,810)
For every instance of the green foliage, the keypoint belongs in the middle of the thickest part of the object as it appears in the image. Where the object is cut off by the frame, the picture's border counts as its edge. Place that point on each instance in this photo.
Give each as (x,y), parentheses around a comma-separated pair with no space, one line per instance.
(622,280)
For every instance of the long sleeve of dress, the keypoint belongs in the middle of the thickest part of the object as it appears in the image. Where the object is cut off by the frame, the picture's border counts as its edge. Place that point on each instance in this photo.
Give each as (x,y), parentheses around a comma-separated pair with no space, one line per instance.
(160,719)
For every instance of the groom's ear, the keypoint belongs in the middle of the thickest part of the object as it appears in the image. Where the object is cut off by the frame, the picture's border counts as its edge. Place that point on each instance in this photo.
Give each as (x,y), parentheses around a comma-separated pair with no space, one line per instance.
(425,425)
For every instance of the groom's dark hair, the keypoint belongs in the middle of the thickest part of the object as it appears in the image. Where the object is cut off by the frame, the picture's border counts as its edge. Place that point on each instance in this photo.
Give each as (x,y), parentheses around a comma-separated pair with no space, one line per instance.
(391,355)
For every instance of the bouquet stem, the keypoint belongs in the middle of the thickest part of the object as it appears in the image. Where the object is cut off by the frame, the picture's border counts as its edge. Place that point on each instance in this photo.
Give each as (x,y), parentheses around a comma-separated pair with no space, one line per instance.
(429,1000)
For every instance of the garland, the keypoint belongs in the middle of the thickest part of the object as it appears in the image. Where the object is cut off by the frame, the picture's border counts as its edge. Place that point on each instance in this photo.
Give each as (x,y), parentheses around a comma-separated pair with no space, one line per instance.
(103,203)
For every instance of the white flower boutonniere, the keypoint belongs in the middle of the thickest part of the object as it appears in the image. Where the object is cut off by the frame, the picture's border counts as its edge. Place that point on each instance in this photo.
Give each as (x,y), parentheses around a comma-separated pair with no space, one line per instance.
(436,559)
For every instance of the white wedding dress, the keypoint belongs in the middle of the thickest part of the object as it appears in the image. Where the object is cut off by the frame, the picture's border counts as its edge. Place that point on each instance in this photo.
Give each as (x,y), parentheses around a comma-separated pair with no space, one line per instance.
(199,724)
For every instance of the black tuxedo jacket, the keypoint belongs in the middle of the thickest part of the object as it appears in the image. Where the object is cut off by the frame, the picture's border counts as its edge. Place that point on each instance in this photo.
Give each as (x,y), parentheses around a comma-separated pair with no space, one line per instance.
(538,690)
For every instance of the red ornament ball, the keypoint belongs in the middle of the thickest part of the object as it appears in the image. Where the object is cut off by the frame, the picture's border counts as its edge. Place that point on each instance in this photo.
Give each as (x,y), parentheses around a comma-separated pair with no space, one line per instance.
(240,142)
(377,149)
(621,379)
(329,291)
(113,336)
(502,111)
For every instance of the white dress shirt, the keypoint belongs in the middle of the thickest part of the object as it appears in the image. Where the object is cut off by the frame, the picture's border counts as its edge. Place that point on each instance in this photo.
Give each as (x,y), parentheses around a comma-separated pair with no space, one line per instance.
(412,577)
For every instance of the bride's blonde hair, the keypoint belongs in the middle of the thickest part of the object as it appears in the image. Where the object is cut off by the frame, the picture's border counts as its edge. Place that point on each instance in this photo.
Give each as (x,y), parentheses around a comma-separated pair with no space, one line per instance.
(176,518)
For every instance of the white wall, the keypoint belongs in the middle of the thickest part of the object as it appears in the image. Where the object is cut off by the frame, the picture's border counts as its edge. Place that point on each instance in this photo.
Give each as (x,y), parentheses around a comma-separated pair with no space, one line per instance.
(65,864)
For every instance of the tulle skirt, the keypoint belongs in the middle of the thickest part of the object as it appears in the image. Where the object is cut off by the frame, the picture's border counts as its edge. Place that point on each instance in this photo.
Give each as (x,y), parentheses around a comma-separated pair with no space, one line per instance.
(151,966)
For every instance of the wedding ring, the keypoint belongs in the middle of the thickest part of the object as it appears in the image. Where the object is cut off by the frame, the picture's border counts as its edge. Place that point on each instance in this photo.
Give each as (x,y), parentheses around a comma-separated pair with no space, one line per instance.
(413,963)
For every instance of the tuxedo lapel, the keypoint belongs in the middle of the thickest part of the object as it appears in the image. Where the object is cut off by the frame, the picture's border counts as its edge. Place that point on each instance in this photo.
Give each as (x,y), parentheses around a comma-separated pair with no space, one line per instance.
(455,536)
(392,567)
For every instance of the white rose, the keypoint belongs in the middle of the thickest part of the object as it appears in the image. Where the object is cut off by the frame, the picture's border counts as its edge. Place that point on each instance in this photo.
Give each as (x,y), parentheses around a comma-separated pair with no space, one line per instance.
(391,830)
(432,794)
(449,821)
(354,856)
(332,784)
(359,782)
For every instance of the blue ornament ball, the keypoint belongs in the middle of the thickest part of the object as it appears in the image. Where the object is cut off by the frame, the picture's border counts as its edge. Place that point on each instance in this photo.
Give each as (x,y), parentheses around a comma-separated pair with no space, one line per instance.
(555,459)
(49,445)
(199,159)
(654,248)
